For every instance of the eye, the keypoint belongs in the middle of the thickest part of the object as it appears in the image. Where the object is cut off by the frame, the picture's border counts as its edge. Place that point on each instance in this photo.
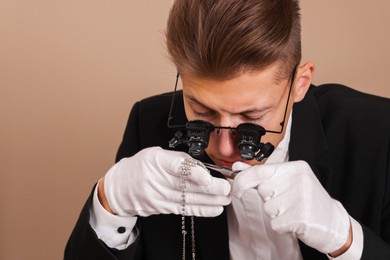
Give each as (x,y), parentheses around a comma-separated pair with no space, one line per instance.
(252,117)
(203,114)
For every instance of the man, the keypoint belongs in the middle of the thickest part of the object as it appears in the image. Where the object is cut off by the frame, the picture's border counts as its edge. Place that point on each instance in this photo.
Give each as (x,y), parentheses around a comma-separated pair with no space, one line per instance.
(322,193)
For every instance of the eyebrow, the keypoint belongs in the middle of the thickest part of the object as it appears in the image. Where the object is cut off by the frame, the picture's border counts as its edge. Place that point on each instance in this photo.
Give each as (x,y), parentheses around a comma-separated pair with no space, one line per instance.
(249,111)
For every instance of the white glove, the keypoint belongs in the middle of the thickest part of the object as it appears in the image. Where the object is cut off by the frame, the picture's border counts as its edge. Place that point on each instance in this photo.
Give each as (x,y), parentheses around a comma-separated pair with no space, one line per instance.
(296,202)
(149,183)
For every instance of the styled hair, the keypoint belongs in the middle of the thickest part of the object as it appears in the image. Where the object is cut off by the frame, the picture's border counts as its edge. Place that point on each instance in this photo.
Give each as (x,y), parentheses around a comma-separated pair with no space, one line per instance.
(220,39)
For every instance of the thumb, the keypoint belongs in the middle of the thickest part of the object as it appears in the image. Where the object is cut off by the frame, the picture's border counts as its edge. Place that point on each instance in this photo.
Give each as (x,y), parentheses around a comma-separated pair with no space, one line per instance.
(240,166)
(251,178)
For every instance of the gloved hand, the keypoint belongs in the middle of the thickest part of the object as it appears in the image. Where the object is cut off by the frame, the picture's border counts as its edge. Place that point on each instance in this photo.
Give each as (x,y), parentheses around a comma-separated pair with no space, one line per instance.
(296,202)
(149,183)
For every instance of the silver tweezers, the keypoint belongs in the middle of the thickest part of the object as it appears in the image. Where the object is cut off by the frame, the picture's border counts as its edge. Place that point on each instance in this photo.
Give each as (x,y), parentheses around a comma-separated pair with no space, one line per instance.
(226,171)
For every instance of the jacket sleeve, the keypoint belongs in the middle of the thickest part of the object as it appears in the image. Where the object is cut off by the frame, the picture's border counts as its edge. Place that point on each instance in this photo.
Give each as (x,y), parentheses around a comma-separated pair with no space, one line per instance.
(377,246)
(374,246)
(83,242)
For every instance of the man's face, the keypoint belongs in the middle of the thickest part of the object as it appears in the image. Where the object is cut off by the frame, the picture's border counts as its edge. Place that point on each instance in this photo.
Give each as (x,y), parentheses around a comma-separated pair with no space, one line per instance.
(254,97)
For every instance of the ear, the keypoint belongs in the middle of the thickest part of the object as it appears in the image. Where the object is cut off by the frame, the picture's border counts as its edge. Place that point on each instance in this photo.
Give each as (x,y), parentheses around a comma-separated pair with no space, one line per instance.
(303,80)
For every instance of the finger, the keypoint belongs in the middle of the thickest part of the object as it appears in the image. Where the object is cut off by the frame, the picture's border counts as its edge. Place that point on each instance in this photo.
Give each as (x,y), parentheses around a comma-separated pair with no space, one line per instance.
(170,207)
(240,166)
(288,177)
(217,186)
(177,163)
(279,183)
(207,200)
(204,211)
(273,208)
(200,175)
(251,178)
(198,181)
(218,192)
(199,199)
(166,206)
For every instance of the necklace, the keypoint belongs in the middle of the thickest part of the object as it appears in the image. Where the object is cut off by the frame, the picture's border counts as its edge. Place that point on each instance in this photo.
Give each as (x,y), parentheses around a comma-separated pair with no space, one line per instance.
(184,173)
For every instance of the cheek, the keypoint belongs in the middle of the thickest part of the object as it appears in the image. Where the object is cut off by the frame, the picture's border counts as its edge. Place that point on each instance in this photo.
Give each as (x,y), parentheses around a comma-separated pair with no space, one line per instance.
(272,121)
(212,141)
(274,139)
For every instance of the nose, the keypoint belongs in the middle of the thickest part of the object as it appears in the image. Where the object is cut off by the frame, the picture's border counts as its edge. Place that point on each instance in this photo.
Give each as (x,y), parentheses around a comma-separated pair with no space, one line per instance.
(226,142)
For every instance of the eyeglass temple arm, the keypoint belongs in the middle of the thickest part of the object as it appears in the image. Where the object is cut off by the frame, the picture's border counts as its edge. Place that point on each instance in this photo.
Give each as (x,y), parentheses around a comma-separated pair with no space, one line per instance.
(288,101)
(172,102)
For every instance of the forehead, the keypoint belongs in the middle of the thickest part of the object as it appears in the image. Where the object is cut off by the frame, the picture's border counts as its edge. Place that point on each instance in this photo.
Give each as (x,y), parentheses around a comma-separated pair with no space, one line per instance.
(247,89)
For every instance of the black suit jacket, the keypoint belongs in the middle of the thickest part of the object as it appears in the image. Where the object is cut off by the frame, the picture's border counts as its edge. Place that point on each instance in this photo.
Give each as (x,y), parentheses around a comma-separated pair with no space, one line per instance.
(343,134)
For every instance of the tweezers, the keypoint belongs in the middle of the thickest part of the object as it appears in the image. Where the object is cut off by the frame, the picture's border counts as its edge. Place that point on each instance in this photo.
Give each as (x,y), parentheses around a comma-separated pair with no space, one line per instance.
(226,171)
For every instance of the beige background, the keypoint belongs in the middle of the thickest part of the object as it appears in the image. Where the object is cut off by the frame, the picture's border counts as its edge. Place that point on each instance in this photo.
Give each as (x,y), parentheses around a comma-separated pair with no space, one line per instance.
(71,70)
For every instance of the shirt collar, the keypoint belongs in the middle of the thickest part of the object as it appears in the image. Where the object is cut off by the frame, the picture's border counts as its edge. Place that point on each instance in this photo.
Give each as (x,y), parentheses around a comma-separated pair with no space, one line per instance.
(280,154)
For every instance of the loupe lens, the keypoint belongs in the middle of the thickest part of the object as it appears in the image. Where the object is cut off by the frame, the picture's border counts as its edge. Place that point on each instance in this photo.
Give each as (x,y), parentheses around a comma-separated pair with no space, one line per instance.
(196,150)
(249,143)
(198,132)
(247,152)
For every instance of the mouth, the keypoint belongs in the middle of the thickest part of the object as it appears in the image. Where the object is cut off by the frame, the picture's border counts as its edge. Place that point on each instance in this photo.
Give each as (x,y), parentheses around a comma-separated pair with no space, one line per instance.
(224,163)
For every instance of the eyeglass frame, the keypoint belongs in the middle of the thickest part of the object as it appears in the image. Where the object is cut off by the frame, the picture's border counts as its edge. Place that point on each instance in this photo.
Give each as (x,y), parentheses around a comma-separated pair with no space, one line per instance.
(282,123)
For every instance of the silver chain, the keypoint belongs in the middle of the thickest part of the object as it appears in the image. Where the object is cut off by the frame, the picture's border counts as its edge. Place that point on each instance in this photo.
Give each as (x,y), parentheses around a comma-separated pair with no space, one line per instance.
(193,237)
(185,172)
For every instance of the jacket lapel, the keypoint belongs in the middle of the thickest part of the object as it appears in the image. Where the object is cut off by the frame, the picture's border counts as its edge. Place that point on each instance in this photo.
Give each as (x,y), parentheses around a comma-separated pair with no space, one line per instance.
(308,143)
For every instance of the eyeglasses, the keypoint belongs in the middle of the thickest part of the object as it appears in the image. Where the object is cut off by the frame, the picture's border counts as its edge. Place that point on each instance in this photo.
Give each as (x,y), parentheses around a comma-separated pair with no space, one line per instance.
(195,133)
